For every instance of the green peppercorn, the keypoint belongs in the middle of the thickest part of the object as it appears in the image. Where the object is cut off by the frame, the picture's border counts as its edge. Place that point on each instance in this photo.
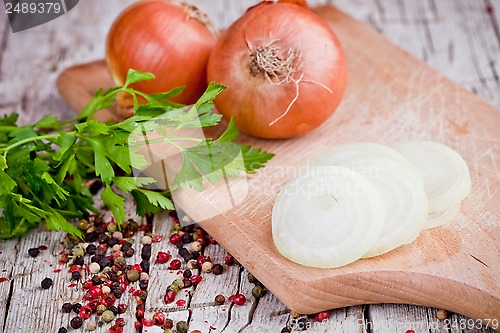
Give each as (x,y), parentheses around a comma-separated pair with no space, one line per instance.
(83,224)
(195,236)
(108,316)
(251,278)
(112,227)
(78,252)
(101,308)
(258,291)
(168,330)
(179,283)
(182,327)
(175,288)
(120,261)
(133,275)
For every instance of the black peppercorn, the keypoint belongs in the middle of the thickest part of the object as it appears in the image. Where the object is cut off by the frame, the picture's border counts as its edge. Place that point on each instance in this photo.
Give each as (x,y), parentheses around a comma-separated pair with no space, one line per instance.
(95,186)
(95,258)
(91,237)
(129,252)
(286,329)
(77,307)
(188,256)
(187,274)
(76,322)
(104,261)
(113,309)
(117,293)
(217,269)
(103,238)
(101,252)
(126,245)
(146,252)
(75,275)
(91,248)
(96,280)
(100,229)
(186,238)
(183,251)
(179,245)
(67,307)
(195,255)
(46,283)
(34,252)
(145,266)
(112,242)
(79,261)
(62,330)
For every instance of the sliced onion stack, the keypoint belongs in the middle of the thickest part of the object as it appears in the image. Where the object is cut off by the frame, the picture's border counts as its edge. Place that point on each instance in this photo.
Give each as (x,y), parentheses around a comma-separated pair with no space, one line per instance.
(362,200)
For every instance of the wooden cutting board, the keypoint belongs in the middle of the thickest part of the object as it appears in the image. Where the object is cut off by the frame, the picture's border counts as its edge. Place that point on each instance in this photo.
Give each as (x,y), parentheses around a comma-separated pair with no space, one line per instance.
(390,96)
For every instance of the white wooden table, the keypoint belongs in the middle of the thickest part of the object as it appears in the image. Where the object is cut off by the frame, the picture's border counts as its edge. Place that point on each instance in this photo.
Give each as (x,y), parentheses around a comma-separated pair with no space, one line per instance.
(458,38)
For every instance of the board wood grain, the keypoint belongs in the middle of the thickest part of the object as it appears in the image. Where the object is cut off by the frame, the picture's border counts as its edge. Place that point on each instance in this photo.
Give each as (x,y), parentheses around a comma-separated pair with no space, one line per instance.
(391,96)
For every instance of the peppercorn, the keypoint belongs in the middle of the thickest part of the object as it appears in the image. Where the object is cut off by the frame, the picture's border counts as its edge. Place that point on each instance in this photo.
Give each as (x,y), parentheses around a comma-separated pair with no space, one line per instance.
(220,299)
(76,275)
(239,299)
(96,280)
(258,292)
(145,266)
(286,329)
(117,293)
(143,295)
(103,238)
(441,314)
(91,326)
(62,330)
(79,261)
(113,309)
(186,238)
(100,251)
(144,276)
(143,284)
(217,269)
(187,274)
(76,322)
(112,227)
(67,307)
(34,252)
(322,316)
(118,235)
(188,256)
(101,308)
(179,283)
(91,236)
(146,252)
(108,316)
(83,224)
(187,283)
(46,283)
(207,267)
(132,275)
(192,264)
(251,278)
(168,324)
(183,251)
(146,240)
(169,297)
(77,307)
(120,261)
(229,260)
(182,326)
(120,322)
(106,289)
(104,261)
(122,308)
(91,248)
(175,264)
(114,242)
(196,246)
(195,255)
(173,287)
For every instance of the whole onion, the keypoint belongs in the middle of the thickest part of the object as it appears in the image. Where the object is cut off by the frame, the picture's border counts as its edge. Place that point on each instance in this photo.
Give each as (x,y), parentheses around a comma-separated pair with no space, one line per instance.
(284,68)
(170,40)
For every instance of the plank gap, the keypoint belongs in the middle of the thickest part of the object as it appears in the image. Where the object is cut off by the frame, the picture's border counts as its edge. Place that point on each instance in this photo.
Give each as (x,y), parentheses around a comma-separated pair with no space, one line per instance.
(7,306)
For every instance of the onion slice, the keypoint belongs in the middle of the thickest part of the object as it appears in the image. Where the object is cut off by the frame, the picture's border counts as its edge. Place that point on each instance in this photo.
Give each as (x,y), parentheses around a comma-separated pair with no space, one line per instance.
(327,217)
(441,218)
(400,185)
(445,173)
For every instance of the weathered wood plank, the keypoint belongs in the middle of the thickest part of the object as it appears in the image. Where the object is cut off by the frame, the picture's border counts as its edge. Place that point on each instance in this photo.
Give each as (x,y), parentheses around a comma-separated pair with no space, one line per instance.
(8,253)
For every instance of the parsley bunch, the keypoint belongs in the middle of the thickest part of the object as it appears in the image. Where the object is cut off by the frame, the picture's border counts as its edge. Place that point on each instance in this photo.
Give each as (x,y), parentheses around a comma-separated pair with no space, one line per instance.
(44,167)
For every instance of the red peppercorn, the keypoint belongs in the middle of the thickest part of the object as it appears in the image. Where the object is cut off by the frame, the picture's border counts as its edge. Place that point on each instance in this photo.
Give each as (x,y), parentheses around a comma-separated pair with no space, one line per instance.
(322,316)
(75,268)
(122,279)
(196,331)
(137,267)
(229,260)
(175,264)
(95,291)
(147,322)
(239,299)
(120,322)
(159,318)
(137,325)
(108,300)
(168,323)
(115,329)
(202,259)
(410,331)
(93,304)
(195,279)
(157,238)
(85,312)
(122,308)
(162,257)
(169,297)
(87,284)
(87,297)
(175,238)
(212,240)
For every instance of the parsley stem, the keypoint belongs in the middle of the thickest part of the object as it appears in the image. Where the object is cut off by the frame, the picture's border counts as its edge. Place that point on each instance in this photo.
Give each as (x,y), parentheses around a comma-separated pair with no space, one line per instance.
(161,140)
(28,140)
(8,128)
